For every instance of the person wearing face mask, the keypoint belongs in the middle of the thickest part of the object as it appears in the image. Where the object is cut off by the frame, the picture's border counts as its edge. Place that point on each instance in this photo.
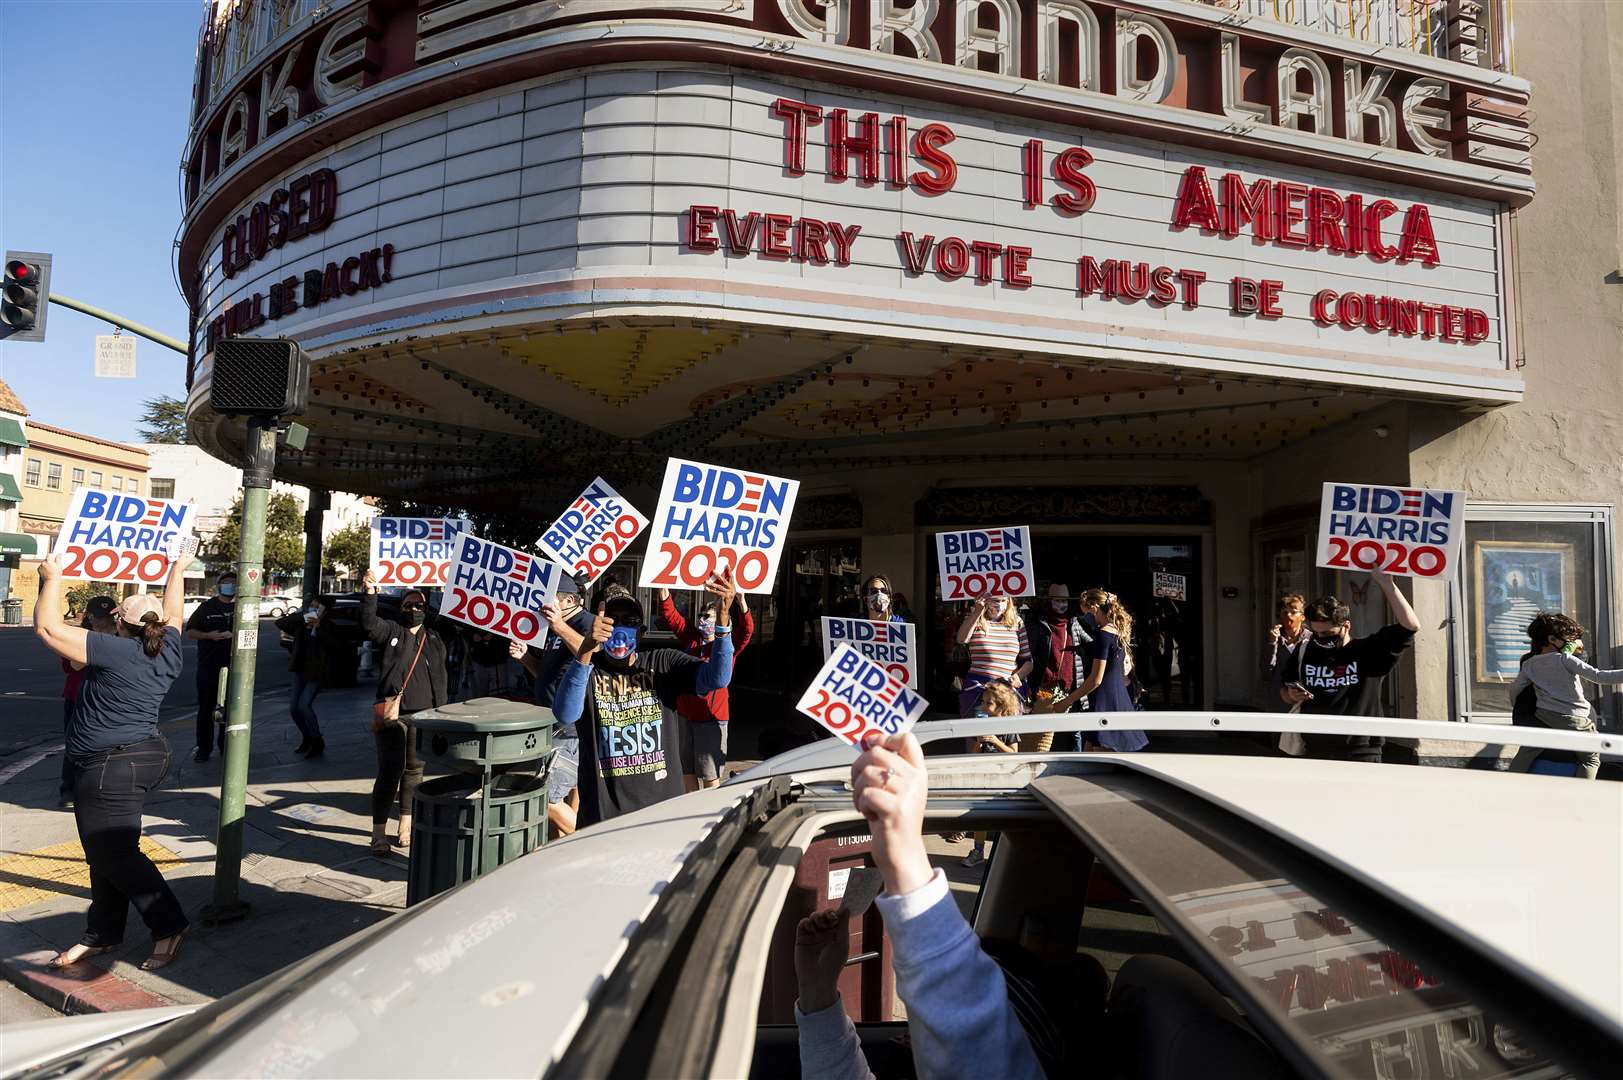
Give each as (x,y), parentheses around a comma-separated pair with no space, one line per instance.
(1057,642)
(878,599)
(704,719)
(1557,676)
(210,627)
(1335,674)
(412,667)
(314,644)
(623,700)
(998,649)
(1285,636)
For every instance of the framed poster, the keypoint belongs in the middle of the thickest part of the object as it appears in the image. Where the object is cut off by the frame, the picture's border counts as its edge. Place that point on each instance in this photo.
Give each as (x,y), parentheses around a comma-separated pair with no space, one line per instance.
(1516,580)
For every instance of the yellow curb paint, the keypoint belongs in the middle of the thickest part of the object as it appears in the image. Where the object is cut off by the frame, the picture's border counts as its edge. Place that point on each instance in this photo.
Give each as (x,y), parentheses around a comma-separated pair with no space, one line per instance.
(59,870)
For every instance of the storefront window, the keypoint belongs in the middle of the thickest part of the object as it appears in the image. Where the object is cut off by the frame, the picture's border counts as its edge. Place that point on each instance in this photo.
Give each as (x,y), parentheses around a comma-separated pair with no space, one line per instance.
(1515,565)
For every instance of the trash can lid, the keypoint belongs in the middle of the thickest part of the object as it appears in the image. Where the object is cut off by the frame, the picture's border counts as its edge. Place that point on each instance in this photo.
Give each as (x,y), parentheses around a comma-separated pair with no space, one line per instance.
(484,714)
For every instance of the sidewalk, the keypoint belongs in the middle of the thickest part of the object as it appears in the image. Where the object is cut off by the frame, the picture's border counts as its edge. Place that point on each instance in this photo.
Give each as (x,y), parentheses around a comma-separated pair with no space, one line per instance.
(306,872)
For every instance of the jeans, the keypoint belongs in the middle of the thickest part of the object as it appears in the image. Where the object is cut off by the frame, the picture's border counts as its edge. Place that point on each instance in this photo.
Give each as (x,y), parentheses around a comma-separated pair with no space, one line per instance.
(208,686)
(303,705)
(1588,763)
(399,769)
(65,787)
(108,792)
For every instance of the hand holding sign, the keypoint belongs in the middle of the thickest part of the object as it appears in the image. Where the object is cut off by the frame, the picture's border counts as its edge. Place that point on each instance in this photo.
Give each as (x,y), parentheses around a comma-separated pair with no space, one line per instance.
(1410,531)
(499,589)
(889,786)
(709,517)
(602,630)
(124,538)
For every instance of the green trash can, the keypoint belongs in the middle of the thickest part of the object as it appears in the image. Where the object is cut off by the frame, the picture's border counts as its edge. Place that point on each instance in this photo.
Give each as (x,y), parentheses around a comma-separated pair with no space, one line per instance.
(11,612)
(445,829)
(493,808)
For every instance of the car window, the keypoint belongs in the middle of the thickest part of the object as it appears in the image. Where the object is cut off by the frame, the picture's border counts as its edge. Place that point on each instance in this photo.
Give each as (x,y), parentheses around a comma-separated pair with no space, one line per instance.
(1302,958)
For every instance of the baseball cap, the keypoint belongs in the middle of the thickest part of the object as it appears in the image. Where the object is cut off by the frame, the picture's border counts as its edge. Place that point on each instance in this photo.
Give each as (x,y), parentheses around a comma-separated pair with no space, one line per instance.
(136,608)
(101,606)
(567,585)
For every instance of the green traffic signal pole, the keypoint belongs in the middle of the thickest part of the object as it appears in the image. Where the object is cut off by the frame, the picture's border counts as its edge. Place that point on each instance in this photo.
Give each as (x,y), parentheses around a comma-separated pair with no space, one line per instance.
(118,320)
(227,905)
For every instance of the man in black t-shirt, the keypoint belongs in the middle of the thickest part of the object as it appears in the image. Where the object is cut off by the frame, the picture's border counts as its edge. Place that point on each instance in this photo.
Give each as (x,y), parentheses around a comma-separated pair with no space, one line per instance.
(210,627)
(623,701)
(1332,673)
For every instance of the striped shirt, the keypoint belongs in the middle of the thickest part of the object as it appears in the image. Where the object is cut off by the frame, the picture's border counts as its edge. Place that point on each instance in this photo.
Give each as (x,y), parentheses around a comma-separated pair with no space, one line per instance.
(996,651)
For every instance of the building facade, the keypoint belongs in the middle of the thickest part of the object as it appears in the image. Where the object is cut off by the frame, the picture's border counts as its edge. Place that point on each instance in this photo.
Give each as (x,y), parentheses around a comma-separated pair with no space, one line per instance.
(14,543)
(1142,275)
(57,463)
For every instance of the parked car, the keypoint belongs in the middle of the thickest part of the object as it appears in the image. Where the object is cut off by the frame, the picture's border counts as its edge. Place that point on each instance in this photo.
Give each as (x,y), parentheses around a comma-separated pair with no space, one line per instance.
(1319,919)
(277,604)
(191,604)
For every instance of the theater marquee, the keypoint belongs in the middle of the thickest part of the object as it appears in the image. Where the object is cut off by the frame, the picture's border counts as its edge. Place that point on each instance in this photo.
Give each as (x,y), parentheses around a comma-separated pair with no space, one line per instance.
(719,195)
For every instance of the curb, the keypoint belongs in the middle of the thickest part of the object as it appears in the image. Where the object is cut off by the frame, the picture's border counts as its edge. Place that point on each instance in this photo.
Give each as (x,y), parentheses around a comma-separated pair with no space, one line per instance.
(84,988)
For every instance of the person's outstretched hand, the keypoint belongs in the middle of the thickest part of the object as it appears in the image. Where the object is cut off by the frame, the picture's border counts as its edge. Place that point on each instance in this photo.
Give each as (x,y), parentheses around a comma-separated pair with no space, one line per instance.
(821,941)
(889,786)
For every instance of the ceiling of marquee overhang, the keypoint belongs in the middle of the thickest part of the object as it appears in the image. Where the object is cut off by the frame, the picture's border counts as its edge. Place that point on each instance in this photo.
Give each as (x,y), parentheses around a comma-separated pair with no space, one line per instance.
(462,421)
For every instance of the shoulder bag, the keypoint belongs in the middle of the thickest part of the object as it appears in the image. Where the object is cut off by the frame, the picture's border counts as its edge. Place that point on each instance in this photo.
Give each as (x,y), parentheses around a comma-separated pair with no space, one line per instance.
(387,711)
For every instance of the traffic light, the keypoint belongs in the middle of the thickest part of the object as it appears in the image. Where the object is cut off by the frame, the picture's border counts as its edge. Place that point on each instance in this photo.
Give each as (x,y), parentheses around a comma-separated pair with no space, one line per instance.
(259,377)
(24,295)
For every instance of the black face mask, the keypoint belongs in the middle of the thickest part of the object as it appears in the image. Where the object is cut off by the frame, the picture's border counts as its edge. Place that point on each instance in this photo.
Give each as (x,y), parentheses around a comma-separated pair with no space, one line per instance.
(1327,641)
(414,616)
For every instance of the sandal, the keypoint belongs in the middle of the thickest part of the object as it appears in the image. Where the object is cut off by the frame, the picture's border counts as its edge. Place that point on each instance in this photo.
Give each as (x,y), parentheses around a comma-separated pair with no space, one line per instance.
(59,961)
(381,848)
(167,956)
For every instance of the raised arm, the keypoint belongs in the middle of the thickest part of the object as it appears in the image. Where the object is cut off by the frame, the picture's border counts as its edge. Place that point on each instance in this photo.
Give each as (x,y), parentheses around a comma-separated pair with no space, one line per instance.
(673,618)
(1608,677)
(174,591)
(379,630)
(971,620)
(68,642)
(1399,603)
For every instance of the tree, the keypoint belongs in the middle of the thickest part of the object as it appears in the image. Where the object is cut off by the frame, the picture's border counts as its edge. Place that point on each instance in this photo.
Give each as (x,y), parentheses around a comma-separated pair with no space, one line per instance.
(163,420)
(284,535)
(349,547)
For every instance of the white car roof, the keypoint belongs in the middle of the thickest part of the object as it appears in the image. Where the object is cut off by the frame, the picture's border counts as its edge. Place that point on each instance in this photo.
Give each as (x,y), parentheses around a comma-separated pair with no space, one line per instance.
(516,957)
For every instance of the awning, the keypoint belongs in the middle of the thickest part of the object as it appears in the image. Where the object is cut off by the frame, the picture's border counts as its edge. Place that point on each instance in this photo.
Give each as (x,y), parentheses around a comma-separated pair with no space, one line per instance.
(18,544)
(11,433)
(9,491)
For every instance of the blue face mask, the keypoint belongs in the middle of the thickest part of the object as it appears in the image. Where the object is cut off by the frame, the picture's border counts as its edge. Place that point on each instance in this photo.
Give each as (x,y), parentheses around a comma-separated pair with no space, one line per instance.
(707,627)
(228,588)
(622,642)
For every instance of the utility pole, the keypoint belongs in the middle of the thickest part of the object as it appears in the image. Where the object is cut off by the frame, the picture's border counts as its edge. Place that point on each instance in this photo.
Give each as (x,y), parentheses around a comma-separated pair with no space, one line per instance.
(228,906)
(264,380)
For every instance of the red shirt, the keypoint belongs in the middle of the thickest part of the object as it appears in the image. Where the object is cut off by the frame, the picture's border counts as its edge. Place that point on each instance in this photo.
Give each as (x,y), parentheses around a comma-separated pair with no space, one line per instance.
(712,707)
(75,678)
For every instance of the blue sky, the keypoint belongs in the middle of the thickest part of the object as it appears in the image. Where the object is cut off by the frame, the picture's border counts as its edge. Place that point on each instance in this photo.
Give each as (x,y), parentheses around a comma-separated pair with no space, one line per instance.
(94,181)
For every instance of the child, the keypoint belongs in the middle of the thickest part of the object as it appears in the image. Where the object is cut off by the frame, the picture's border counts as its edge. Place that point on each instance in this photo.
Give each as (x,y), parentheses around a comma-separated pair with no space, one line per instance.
(1556,675)
(997,699)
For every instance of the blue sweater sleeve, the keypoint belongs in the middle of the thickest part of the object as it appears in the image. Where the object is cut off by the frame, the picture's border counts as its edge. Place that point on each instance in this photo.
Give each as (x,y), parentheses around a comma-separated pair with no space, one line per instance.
(958,1009)
(570,700)
(717,671)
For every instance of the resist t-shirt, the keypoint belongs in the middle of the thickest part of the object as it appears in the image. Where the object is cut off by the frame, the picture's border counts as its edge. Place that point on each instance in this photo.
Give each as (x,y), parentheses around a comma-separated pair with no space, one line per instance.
(123,687)
(1346,681)
(628,733)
